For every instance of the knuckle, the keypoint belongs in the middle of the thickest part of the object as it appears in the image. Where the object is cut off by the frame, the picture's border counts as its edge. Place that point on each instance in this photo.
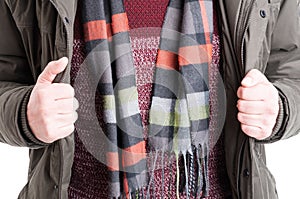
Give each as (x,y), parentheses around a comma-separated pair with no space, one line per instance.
(70,89)
(75,116)
(240,117)
(243,127)
(239,92)
(242,93)
(239,104)
(75,104)
(244,108)
(266,133)
(72,128)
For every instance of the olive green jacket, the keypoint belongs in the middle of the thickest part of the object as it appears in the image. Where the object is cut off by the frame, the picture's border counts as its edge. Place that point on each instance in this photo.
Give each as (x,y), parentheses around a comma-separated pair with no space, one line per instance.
(262,34)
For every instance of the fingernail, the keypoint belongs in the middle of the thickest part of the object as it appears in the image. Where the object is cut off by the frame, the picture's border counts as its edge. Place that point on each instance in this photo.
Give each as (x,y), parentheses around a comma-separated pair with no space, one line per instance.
(247,81)
(64,59)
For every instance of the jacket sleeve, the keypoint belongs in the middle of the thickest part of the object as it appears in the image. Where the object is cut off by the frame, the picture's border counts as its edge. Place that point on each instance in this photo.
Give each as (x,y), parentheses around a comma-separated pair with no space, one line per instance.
(16,83)
(283,69)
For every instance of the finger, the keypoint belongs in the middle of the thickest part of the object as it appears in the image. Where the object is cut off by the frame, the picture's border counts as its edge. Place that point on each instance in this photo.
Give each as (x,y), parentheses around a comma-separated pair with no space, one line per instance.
(64,106)
(75,104)
(256,120)
(61,91)
(52,69)
(250,120)
(253,77)
(255,93)
(251,107)
(254,132)
(66,119)
(66,131)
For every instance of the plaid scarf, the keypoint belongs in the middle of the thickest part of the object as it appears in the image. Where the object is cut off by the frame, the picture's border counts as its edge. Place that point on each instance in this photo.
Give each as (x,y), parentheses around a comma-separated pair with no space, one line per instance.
(179,113)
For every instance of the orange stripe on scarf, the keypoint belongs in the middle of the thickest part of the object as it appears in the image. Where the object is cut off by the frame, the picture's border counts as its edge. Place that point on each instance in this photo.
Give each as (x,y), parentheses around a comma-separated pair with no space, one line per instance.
(96,30)
(201,54)
(120,23)
(167,60)
(134,154)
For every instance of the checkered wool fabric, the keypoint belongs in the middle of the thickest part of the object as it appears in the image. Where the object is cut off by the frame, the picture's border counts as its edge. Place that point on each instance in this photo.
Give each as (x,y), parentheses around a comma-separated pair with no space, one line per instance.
(179,113)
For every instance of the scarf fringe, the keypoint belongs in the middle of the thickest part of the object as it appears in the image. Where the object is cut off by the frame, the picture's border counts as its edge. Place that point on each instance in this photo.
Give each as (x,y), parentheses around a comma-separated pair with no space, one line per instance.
(190,177)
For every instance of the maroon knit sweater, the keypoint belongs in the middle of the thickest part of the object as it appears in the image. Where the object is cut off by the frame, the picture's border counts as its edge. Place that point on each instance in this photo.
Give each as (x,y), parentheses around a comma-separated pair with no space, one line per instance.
(89,176)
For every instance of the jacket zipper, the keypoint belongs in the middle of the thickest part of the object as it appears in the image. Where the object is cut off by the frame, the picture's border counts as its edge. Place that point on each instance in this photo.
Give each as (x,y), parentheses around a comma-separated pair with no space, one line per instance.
(59,142)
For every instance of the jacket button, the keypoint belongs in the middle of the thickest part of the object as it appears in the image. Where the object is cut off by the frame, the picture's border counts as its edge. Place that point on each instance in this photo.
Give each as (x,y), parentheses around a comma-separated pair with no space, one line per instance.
(246,173)
(67,20)
(55,187)
(263,13)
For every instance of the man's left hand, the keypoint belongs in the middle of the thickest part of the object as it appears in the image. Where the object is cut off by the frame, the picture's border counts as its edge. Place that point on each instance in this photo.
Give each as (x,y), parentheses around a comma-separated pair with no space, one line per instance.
(258,105)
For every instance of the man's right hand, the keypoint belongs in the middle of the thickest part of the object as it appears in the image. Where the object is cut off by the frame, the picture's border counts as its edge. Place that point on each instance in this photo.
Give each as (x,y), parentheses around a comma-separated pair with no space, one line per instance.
(51,110)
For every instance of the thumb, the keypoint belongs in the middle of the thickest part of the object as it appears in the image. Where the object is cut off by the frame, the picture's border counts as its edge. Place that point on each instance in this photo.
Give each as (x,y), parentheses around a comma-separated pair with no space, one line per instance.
(253,77)
(52,69)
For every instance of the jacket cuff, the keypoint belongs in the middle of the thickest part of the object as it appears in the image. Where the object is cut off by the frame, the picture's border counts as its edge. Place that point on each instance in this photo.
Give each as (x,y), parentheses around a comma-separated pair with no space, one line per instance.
(27,133)
(279,119)
(277,130)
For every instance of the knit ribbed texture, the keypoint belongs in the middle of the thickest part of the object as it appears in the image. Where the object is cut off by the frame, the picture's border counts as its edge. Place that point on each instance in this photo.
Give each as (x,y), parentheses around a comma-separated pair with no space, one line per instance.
(89,176)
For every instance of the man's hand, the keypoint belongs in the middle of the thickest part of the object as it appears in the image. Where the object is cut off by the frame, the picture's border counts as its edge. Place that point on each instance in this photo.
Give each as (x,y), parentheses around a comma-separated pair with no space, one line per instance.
(51,110)
(258,105)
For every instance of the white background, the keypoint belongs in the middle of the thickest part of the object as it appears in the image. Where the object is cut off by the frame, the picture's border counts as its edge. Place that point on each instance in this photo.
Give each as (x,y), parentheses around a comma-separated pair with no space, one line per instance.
(283,160)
